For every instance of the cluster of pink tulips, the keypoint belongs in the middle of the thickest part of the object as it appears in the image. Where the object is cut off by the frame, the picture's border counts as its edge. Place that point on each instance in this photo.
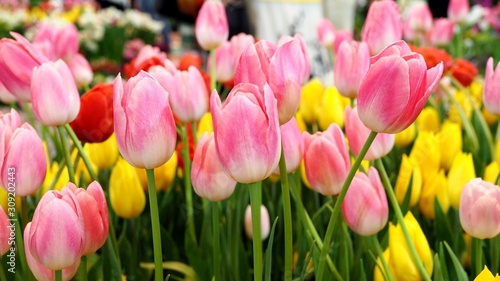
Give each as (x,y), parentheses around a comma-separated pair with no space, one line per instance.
(389,174)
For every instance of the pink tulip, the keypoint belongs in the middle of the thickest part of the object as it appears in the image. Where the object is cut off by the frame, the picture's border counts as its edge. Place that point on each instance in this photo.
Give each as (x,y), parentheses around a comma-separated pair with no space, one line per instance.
(207,174)
(81,70)
(8,123)
(61,36)
(303,58)
(458,10)
(5,95)
(187,93)
(418,20)
(5,232)
(283,68)
(479,209)
(395,89)
(357,134)
(265,223)
(94,215)
(325,32)
(341,36)
(441,33)
(56,236)
(144,123)
(365,205)
(18,58)
(211,27)
(292,144)
(383,25)
(326,160)
(246,118)
(228,54)
(41,272)
(351,65)
(54,94)
(491,90)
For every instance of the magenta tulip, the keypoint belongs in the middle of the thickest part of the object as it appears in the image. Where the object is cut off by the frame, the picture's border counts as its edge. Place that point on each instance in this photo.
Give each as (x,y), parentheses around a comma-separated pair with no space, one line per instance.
(246,118)
(5,232)
(94,215)
(351,65)
(365,205)
(458,10)
(479,209)
(325,32)
(41,272)
(207,174)
(54,94)
(61,36)
(81,70)
(395,89)
(18,58)
(292,144)
(56,236)
(144,123)
(383,25)
(491,90)
(187,93)
(326,160)
(211,27)
(357,134)
(441,33)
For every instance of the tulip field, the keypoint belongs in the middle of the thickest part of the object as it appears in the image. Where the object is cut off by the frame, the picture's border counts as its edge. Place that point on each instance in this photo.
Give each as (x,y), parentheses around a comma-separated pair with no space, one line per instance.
(122,161)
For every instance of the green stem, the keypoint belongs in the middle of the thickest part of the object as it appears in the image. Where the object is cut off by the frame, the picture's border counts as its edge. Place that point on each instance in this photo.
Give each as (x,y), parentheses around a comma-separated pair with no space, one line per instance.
(67,155)
(400,218)
(3,277)
(82,269)
(58,275)
(187,183)
(79,146)
(380,253)
(477,252)
(212,70)
(216,233)
(287,211)
(195,133)
(155,222)
(338,203)
(21,252)
(255,190)
(29,113)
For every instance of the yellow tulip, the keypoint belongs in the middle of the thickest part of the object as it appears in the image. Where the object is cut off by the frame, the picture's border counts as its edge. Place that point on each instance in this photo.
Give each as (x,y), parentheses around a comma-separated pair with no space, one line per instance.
(476,92)
(497,152)
(378,274)
(205,124)
(4,201)
(491,172)
(490,118)
(164,175)
(461,172)
(61,182)
(450,143)
(401,263)
(426,153)
(125,191)
(406,137)
(408,169)
(428,120)
(73,14)
(104,154)
(300,122)
(81,170)
(464,104)
(486,275)
(333,105)
(303,174)
(435,187)
(310,100)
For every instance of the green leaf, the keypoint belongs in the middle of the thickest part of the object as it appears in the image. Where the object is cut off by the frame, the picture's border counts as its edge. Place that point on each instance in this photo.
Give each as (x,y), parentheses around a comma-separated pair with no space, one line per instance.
(442,260)
(438,274)
(406,201)
(111,268)
(269,253)
(461,274)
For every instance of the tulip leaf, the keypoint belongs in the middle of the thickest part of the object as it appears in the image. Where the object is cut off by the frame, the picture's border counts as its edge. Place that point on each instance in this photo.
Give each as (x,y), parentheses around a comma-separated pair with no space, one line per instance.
(111,268)
(442,260)
(438,273)
(406,201)
(269,253)
(307,260)
(461,274)
(442,225)
(363,273)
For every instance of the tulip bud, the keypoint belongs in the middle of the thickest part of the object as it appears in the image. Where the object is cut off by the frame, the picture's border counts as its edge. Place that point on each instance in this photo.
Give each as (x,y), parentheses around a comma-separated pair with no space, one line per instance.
(265,224)
(383,25)
(58,247)
(461,172)
(486,275)
(409,171)
(441,33)
(326,160)
(54,95)
(434,188)
(418,20)
(365,206)
(325,32)
(492,88)
(398,67)
(406,137)
(205,125)
(428,120)
(211,27)
(81,70)
(479,209)
(310,100)
(351,64)
(425,152)
(450,143)
(125,191)
(103,154)
(333,105)
(458,10)
(144,123)
(491,172)
(61,37)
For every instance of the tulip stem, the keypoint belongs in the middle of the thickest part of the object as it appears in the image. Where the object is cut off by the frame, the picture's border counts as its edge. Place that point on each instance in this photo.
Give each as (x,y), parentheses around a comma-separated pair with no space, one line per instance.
(187,183)
(256,202)
(212,70)
(216,246)
(58,275)
(79,146)
(82,269)
(155,222)
(477,252)
(400,218)
(338,203)
(380,253)
(287,211)
(67,155)
(22,254)
(195,133)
